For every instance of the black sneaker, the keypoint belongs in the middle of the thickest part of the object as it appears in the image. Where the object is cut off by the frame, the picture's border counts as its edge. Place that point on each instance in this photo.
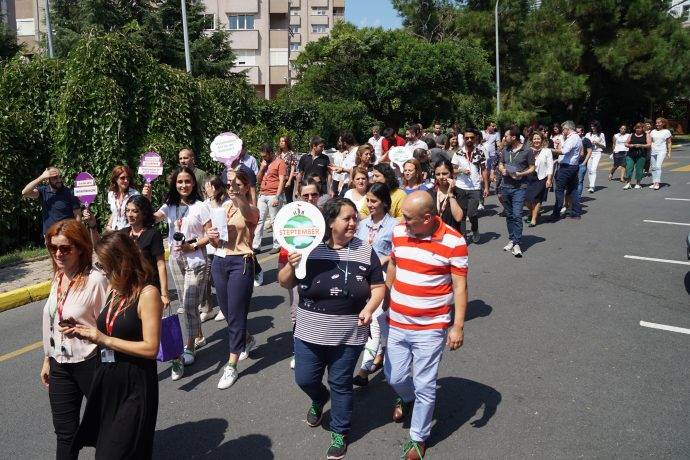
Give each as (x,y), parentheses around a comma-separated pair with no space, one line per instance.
(338,447)
(314,415)
(476,237)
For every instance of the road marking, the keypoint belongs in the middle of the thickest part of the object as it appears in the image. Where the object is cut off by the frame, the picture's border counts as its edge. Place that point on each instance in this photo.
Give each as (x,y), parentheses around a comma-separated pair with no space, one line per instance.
(664,327)
(682,169)
(664,222)
(677,199)
(652,259)
(21,351)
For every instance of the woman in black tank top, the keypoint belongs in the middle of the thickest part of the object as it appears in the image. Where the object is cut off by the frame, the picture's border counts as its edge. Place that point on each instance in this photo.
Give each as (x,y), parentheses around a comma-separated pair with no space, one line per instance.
(638,144)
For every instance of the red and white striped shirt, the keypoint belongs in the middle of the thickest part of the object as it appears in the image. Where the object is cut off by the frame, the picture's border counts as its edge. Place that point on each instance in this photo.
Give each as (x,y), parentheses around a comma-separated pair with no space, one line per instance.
(422,293)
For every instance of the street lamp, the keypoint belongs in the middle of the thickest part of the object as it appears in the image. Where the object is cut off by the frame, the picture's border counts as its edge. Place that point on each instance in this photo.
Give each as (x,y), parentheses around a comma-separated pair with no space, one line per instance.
(498,74)
(49,30)
(187,58)
(290,35)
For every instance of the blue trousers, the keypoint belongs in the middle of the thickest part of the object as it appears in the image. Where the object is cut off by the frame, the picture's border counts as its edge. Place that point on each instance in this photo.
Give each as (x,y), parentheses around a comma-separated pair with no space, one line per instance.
(513,202)
(581,173)
(311,361)
(567,182)
(233,277)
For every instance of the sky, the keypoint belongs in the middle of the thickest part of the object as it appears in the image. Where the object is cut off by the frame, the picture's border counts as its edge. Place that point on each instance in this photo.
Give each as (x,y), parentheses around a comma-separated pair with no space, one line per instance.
(372,13)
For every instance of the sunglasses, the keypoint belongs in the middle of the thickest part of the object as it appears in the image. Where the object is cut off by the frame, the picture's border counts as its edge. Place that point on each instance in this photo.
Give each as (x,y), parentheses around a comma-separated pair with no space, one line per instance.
(63,248)
(468,138)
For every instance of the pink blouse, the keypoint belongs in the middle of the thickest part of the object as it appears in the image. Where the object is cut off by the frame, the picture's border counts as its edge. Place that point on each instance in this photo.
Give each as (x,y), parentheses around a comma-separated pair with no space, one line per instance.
(84,305)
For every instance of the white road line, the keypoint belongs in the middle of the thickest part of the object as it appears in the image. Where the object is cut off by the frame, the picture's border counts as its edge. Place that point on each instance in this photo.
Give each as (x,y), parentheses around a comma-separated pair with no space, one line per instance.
(652,259)
(664,222)
(677,199)
(664,327)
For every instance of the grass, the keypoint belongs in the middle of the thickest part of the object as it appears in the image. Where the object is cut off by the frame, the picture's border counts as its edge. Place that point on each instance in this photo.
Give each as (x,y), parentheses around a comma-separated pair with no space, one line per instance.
(20,255)
(681,139)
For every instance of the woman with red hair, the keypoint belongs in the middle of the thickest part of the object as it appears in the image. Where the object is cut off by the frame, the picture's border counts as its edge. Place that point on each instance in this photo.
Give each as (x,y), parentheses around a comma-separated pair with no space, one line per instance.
(76,297)
(119,192)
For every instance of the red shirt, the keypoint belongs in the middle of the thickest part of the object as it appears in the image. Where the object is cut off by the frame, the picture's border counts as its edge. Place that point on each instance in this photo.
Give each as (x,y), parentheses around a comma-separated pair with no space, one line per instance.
(399,141)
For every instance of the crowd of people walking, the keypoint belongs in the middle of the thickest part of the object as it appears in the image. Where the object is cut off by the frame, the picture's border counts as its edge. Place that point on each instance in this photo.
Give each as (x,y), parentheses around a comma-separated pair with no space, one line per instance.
(387,283)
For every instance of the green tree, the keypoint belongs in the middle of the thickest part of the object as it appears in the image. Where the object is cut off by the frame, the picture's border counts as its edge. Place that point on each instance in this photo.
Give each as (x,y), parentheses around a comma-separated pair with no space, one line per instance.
(8,42)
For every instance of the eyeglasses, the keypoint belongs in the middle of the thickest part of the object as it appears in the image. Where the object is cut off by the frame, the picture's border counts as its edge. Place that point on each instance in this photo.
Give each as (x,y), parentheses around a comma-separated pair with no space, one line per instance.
(64,249)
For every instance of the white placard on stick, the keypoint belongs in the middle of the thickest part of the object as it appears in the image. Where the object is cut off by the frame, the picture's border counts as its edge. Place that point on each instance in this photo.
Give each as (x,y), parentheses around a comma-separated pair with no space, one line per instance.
(226,147)
(399,155)
(299,227)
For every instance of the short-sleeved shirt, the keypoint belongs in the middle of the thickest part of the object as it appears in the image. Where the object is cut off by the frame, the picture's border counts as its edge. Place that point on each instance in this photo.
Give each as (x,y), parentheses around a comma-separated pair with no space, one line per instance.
(659,138)
(241,167)
(151,244)
(189,220)
(379,236)
(586,145)
(422,292)
(440,139)
(520,160)
(250,162)
(308,165)
(200,177)
(399,142)
(117,209)
(56,205)
(271,179)
(438,154)
(490,141)
(571,148)
(466,160)
(334,291)
(377,144)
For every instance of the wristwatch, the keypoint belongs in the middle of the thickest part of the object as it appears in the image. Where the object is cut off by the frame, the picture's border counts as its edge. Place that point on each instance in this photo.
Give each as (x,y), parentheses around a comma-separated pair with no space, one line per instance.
(195,245)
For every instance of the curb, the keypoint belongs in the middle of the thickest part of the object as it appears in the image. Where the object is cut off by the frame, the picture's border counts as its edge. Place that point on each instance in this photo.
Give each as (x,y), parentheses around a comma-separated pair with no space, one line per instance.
(21,296)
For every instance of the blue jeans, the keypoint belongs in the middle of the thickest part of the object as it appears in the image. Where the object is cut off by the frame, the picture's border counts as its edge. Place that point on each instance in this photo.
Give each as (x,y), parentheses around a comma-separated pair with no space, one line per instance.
(411,367)
(567,182)
(513,201)
(581,173)
(311,361)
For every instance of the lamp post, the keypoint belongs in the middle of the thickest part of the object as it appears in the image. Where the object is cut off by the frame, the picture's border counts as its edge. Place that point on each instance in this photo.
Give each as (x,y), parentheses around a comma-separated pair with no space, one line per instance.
(49,31)
(290,35)
(185,33)
(498,72)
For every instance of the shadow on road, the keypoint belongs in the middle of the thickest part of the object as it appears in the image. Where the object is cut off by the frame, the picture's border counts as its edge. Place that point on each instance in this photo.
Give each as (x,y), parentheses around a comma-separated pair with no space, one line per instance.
(530,240)
(204,439)
(477,309)
(266,302)
(687,283)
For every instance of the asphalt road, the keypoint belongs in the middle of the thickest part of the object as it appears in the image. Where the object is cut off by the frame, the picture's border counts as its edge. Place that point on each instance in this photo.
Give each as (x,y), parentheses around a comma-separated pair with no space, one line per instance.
(555,362)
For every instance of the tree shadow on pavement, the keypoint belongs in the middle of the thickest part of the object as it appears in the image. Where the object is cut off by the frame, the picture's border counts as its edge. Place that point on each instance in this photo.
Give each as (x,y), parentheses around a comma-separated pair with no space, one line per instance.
(530,240)
(488,236)
(266,302)
(204,439)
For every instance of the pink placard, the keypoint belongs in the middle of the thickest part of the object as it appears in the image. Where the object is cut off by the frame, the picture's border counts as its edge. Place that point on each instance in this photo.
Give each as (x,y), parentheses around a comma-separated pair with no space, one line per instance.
(150,166)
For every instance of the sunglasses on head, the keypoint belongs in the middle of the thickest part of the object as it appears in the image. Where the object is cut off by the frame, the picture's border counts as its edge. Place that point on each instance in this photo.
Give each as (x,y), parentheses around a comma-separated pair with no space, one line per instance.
(63,248)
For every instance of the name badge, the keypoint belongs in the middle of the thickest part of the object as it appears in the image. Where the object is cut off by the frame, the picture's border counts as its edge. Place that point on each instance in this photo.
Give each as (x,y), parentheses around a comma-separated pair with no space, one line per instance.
(107,356)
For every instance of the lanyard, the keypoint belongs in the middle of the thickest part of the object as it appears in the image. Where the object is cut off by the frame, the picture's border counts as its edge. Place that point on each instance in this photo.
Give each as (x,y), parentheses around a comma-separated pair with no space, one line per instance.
(60,300)
(179,220)
(108,321)
(347,266)
(121,204)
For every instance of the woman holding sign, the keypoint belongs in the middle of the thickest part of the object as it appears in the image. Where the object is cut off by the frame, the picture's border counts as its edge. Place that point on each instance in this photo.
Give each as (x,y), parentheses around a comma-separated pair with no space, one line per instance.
(119,194)
(188,219)
(233,270)
(342,288)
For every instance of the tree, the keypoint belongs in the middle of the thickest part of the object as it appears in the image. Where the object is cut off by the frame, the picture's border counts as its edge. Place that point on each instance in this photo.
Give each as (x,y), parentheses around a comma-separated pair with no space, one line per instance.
(8,42)
(156,25)
(398,77)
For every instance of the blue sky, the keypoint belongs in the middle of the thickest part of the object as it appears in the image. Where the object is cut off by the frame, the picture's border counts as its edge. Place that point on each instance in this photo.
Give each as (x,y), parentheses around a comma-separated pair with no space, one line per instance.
(372,13)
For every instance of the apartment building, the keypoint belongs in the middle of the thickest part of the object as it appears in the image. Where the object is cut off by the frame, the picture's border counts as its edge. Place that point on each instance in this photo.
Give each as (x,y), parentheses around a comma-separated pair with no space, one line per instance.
(267,35)
(681,9)
(29,16)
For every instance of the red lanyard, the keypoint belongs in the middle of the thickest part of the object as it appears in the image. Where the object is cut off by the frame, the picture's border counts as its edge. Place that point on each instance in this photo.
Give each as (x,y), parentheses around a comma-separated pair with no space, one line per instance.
(110,322)
(61,299)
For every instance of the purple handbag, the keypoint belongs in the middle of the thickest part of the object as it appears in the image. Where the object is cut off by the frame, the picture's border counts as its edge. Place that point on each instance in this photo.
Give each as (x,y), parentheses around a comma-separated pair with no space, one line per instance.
(171,345)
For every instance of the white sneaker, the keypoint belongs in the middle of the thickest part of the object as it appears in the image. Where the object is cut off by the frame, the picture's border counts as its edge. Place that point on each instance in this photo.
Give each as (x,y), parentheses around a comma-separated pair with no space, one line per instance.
(205,316)
(590,190)
(247,348)
(187,356)
(638,186)
(480,207)
(292,363)
(177,370)
(626,186)
(180,310)
(220,316)
(508,246)
(229,377)
(563,210)
(516,251)
(199,342)
(259,279)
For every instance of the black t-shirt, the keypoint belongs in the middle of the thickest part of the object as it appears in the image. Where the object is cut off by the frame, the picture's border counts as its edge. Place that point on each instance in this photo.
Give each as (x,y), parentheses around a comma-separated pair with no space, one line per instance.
(520,160)
(309,165)
(57,205)
(151,244)
(586,145)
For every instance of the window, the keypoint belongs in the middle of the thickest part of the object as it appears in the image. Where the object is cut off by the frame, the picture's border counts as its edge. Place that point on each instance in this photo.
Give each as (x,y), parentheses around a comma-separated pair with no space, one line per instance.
(245,57)
(319,29)
(278,56)
(319,11)
(294,12)
(294,46)
(294,29)
(25,27)
(241,21)
(209,21)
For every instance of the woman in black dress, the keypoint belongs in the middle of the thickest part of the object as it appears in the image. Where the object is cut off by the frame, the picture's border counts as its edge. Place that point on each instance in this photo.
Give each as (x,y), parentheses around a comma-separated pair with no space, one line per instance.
(120,416)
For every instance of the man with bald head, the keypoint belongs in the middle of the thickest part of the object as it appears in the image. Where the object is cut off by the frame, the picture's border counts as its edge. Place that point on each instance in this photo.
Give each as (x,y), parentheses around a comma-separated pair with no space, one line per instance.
(427,276)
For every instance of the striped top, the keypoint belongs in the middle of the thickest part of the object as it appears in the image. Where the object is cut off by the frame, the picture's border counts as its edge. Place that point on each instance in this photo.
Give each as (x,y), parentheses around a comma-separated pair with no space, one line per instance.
(333,293)
(422,293)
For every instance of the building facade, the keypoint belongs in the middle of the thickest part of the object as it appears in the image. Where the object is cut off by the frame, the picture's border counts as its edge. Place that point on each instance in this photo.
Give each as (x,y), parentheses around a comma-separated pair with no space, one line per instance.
(267,35)
(681,9)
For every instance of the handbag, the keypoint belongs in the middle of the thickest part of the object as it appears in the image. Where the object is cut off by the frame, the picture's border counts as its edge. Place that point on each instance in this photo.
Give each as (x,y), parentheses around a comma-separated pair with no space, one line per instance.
(171,345)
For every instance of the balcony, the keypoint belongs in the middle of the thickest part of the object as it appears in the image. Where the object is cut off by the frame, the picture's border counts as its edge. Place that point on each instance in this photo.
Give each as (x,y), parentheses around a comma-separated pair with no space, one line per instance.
(338,3)
(278,74)
(295,4)
(295,20)
(278,38)
(319,20)
(241,6)
(296,38)
(317,3)
(245,39)
(252,73)
(278,6)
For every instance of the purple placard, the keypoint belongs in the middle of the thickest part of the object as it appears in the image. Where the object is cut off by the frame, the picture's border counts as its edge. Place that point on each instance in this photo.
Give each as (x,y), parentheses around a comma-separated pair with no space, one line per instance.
(85,188)
(226,147)
(150,166)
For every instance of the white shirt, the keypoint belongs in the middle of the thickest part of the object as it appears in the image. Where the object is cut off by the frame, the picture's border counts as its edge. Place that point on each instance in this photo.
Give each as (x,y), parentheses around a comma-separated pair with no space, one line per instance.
(543,163)
(659,137)
(471,181)
(218,220)
(117,210)
(358,203)
(599,145)
(349,162)
(619,141)
(378,146)
(338,158)
(489,142)
(418,144)
(190,221)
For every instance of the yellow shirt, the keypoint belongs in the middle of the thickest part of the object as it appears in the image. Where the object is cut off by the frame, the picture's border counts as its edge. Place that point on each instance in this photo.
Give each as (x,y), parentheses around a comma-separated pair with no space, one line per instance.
(396,205)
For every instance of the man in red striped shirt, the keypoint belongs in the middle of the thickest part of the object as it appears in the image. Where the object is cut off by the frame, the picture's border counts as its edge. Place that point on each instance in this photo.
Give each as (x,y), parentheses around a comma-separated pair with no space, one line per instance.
(427,278)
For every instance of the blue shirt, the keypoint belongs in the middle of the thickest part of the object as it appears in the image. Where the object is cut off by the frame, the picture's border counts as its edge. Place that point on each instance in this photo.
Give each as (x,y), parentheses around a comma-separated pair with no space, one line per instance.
(250,162)
(56,205)
(572,149)
(379,236)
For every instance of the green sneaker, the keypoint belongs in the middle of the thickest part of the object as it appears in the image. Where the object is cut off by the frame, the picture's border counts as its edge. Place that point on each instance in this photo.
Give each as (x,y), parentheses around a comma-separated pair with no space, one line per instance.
(314,415)
(413,450)
(177,369)
(338,447)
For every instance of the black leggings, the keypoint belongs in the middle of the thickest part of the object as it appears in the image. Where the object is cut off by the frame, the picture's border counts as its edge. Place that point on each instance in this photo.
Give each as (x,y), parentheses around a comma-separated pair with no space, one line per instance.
(69,384)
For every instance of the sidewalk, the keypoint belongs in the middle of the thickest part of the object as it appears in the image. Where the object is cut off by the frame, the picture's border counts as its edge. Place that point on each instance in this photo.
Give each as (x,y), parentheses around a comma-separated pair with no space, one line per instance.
(24,282)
